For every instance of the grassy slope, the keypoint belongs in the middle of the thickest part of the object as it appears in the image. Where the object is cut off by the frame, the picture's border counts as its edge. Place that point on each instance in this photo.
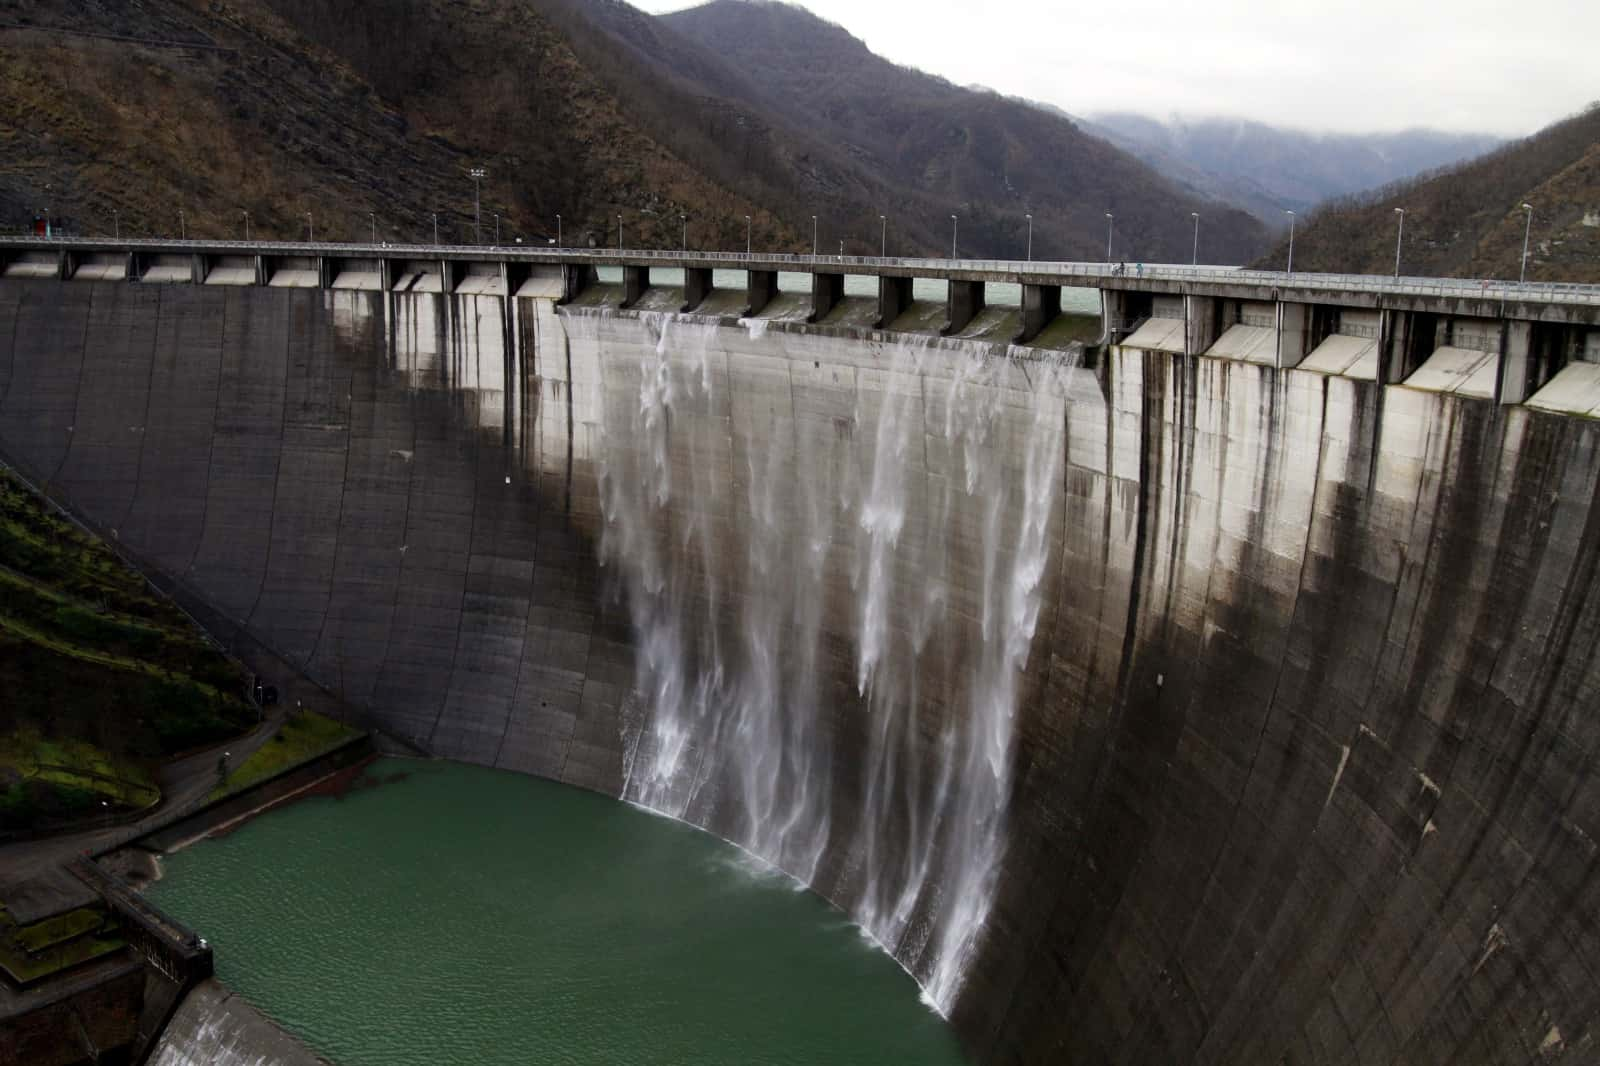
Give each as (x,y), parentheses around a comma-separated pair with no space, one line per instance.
(302,737)
(103,679)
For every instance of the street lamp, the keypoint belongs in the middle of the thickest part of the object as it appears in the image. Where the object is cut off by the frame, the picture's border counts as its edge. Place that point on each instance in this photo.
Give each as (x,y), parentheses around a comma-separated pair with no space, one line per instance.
(116,225)
(1291,241)
(1527,230)
(1110,222)
(497,229)
(311,228)
(747,236)
(841,249)
(619,233)
(1194,256)
(1398,237)
(1030,237)
(685,220)
(183,229)
(247,226)
(477,204)
(813,235)
(436,229)
(954,225)
(373,215)
(883,236)
(558,233)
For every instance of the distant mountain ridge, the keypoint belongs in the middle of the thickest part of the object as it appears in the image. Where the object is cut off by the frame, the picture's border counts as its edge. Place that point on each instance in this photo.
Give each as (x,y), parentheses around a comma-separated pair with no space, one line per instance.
(1268,169)
(372,116)
(991,159)
(1469,221)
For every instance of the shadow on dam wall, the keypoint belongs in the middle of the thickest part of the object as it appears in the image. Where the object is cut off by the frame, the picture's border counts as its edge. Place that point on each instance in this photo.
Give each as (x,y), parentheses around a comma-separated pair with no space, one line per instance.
(1296,748)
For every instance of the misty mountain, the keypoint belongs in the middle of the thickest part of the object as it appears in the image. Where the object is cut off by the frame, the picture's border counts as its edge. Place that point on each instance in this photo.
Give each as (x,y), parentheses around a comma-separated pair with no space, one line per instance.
(1469,220)
(1268,169)
(988,158)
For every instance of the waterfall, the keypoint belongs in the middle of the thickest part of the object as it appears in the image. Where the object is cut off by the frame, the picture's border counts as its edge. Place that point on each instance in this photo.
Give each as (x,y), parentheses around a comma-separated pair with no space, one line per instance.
(800,579)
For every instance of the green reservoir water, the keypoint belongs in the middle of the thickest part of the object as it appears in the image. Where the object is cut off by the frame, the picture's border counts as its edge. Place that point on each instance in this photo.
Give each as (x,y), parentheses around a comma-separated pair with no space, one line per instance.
(441,913)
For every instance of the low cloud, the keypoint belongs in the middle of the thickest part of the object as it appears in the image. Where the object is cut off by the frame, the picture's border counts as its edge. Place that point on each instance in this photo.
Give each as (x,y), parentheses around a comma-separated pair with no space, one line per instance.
(1352,65)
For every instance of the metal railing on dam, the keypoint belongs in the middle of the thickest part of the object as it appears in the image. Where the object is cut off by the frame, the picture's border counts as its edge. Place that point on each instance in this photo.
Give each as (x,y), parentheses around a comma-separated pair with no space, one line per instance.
(1079,274)
(1485,338)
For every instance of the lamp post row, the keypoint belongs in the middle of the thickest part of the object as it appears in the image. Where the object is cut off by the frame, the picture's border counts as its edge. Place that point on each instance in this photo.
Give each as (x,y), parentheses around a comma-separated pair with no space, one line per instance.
(479,173)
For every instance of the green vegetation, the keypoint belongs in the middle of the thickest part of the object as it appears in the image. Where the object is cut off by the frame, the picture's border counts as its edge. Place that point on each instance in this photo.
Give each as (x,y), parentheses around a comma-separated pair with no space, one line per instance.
(83,777)
(31,952)
(302,737)
(103,678)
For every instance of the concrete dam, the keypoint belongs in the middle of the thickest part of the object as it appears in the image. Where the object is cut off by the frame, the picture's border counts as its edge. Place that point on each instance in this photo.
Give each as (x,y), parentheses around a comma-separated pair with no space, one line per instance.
(1149,705)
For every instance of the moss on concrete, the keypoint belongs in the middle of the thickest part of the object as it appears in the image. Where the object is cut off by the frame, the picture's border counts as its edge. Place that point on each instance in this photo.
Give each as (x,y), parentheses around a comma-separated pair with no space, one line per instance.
(29,953)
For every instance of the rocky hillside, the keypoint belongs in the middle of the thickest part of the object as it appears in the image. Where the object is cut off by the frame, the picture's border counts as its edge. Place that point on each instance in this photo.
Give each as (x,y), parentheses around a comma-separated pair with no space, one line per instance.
(1469,221)
(988,158)
(120,114)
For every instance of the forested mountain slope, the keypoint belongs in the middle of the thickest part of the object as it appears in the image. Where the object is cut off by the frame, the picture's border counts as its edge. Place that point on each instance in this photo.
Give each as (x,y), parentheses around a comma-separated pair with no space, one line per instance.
(132,113)
(1469,221)
(991,159)
(177,115)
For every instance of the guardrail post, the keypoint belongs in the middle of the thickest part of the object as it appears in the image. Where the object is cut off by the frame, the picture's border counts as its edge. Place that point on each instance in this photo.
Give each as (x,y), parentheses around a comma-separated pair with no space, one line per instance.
(1200,324)
(962,305)
(386,280)
(696,287)
(1515,382)
(826,292)
(575,277)
(1041,305)
(635,280)
(447,294)
(512,275)
(1293,333)
(894,297)
(760,289)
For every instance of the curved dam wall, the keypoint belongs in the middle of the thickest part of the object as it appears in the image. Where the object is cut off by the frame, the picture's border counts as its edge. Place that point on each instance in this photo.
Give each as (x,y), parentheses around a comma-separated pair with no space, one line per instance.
(1168,710)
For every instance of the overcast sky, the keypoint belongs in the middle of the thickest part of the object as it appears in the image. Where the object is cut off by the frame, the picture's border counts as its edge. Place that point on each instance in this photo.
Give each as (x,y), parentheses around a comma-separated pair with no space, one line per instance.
(1492,66)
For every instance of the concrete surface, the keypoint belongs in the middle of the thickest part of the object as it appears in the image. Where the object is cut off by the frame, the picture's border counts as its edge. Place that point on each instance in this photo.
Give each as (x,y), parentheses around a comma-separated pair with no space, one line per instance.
(1466,371)
(214,1027)
(1353,357)
(1159,335)
(1304,758)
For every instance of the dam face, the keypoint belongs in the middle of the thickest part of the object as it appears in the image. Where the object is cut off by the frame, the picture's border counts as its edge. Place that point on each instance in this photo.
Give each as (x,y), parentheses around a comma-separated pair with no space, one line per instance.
(1166,710)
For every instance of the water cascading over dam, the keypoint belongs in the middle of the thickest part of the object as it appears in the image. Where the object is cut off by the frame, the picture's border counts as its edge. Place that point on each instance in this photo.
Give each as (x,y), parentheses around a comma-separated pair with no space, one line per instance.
(910,531)
(1160,709)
